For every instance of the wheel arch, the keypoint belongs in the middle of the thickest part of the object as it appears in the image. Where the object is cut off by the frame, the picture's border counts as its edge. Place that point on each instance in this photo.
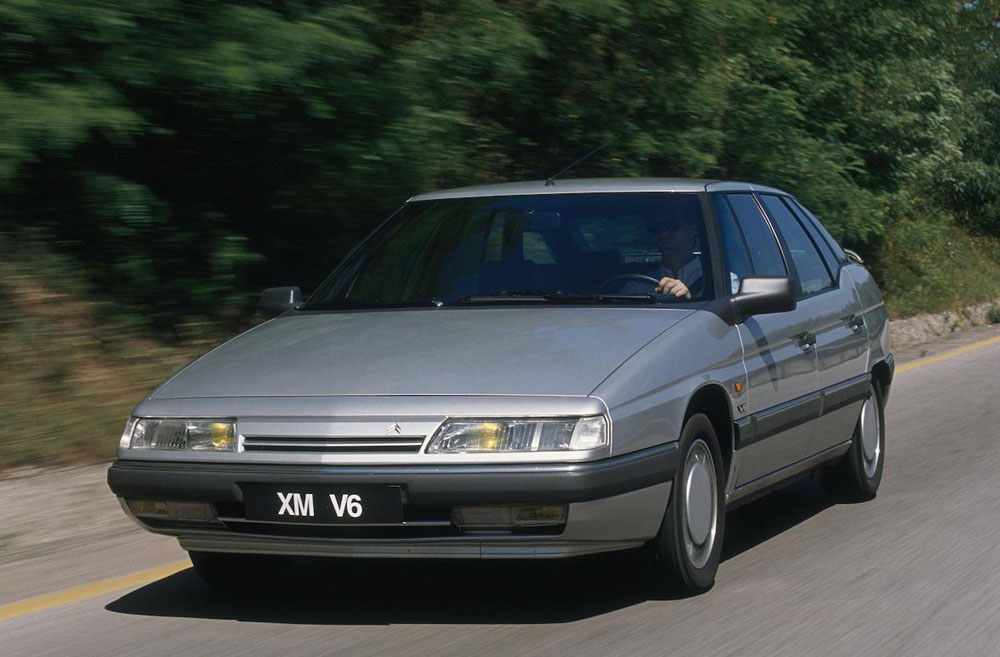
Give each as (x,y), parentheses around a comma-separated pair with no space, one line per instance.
(712,400)
(882,374)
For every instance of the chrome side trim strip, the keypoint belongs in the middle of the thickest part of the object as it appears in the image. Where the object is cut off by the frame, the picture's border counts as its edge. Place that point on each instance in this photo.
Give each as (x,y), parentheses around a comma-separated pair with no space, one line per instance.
(844,393)
(777,419)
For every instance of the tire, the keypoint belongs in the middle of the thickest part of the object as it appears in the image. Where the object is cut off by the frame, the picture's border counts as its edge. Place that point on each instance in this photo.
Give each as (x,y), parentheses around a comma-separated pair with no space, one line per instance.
(857,476)
(685,554)
(232,571)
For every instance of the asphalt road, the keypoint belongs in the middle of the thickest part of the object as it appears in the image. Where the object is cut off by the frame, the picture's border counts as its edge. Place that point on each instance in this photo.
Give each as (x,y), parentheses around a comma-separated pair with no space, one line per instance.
(915,572)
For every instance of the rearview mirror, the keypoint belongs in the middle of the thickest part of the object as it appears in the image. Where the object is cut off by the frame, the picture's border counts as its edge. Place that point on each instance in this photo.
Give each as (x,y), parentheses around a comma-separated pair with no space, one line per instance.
(542,222)
(762,295)
(276,300)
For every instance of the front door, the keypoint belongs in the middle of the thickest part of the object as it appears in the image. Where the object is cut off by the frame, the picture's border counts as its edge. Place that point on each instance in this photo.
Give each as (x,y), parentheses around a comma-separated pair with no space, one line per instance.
(782,403)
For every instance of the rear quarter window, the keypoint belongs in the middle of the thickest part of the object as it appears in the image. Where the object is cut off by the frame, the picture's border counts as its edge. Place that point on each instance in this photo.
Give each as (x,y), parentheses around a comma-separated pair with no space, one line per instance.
(811,219)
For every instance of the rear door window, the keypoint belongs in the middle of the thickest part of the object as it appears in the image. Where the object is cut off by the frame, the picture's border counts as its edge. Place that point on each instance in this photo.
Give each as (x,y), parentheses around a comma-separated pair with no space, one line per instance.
(813,273)
(765,255)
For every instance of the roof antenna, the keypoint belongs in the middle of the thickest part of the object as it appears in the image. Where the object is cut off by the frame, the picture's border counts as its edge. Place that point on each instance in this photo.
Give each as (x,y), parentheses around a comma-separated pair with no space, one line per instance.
(551,180)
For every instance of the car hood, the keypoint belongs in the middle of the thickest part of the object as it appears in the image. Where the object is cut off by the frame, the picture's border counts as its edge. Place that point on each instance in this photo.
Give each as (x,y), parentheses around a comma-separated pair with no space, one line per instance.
(449,351)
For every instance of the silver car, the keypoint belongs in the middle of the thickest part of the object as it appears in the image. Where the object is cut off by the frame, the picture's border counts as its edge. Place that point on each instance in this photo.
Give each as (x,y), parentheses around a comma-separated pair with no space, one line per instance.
(528,370)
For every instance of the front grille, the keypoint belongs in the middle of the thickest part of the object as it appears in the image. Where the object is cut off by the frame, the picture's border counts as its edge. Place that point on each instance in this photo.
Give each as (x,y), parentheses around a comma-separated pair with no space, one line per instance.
(334,445)
(338,445)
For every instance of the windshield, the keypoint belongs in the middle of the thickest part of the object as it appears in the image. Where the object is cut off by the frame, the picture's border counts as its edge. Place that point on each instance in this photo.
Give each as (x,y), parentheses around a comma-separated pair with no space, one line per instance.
(547,247)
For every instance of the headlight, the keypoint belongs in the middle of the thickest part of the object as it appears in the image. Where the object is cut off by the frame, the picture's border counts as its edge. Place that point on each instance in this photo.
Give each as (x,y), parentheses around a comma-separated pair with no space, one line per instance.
(203,435)
(519,435)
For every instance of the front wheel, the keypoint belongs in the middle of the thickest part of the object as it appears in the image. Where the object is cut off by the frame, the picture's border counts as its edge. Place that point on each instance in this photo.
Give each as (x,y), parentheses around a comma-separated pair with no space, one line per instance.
(686,553)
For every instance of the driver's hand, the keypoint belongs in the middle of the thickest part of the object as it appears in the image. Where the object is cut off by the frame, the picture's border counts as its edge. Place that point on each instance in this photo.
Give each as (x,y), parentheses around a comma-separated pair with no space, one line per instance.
(673,286)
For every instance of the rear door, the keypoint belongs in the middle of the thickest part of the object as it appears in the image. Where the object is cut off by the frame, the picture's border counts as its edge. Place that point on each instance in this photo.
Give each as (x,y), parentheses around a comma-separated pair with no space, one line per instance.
(828,299)
(781,370)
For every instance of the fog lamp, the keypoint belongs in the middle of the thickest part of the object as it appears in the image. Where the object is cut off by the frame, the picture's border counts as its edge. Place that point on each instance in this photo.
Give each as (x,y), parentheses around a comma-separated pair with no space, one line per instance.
(507,517)
(148,509)
(170,510)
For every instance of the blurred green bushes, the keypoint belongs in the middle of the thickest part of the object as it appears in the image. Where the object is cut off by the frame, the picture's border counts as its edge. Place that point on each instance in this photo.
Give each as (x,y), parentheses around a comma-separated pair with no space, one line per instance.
(71,374)
(182,154)
(931,267)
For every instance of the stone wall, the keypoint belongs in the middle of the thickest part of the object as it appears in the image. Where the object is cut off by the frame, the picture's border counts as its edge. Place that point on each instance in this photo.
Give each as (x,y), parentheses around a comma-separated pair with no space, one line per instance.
(924,328)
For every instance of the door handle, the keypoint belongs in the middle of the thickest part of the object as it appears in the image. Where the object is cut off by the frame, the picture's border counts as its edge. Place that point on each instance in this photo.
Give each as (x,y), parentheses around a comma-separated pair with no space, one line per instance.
(807,341)
(855,322)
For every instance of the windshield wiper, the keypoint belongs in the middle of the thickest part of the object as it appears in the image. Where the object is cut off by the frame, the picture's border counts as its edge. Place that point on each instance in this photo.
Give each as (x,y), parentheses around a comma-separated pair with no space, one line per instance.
(346,304)
(555,297)
(518,296)
(522,295)
(605,298)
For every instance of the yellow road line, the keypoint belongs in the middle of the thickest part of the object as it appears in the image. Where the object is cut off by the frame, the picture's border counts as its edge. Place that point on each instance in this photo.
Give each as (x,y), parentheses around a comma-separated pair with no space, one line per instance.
(50,600)
(948,354)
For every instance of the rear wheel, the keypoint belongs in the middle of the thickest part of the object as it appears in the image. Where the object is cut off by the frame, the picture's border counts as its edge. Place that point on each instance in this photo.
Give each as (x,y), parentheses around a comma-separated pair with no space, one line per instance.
(685,554)
(858,475)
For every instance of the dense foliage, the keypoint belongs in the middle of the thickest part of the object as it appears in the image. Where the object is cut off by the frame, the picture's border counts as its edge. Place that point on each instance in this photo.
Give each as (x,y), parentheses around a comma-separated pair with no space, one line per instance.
(186,153)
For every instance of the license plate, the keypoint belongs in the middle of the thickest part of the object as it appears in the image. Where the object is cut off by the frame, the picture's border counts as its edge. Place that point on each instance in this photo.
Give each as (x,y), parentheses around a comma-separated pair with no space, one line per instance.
(330,505)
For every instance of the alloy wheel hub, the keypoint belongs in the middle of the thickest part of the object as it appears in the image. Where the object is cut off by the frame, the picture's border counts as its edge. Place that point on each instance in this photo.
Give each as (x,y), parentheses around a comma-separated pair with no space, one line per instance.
(699,503)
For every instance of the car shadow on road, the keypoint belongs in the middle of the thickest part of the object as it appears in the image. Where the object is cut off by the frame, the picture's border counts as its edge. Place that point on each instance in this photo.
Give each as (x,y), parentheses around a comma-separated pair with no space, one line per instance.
(345,592)
(761,520)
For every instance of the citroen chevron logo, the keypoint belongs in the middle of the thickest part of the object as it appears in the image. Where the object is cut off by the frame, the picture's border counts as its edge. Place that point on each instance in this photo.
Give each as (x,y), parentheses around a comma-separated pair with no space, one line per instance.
(395,428)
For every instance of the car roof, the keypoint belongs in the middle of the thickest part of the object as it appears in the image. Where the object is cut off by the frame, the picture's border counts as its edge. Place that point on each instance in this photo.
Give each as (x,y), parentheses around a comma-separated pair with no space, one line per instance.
(595,185)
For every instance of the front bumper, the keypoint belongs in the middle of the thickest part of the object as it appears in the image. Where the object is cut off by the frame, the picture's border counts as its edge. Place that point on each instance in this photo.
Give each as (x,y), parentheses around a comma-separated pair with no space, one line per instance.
(890,360)
(614,503)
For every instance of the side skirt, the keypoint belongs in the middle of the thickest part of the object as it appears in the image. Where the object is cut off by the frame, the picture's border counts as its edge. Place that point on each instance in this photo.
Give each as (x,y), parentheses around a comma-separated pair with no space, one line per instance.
(780,478)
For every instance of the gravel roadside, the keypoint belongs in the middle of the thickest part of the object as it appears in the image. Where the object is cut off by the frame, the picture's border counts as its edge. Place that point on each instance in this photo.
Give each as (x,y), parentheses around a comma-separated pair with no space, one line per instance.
(44,510)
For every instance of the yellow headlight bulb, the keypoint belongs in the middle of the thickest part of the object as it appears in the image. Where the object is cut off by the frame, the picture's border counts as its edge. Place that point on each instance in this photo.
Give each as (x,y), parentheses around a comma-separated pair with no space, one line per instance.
(489,435)
(221,435)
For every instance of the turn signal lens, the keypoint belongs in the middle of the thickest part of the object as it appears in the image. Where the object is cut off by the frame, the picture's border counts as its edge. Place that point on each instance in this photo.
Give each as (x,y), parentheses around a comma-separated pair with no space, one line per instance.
(519,435)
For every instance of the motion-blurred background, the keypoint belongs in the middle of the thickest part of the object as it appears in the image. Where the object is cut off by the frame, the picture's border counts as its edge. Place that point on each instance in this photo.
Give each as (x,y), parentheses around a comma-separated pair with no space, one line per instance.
(163,160)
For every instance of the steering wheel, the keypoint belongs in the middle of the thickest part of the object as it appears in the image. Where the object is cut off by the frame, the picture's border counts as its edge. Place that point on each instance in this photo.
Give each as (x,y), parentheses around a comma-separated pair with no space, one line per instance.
(605,285)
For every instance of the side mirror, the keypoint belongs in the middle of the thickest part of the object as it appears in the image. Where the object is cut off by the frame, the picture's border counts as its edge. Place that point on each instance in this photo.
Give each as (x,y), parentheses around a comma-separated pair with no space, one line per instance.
(758,296)
(276,300)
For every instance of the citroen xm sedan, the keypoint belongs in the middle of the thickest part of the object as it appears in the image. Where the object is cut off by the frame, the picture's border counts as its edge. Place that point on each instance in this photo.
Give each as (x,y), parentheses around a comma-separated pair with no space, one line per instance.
(529,370)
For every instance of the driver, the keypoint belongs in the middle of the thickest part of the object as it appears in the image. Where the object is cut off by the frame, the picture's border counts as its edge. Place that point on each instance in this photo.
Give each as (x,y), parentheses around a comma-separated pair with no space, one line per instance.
(679,272)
